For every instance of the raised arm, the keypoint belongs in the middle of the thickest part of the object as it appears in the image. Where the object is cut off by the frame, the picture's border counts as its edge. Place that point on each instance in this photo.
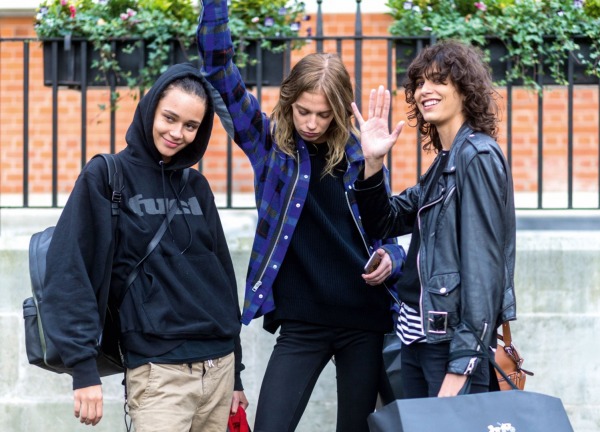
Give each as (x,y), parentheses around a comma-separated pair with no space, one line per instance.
(235,106)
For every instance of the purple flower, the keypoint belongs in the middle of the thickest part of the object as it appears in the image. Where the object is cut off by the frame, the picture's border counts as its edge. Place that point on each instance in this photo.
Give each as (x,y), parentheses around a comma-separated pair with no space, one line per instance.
(407,5)
(295,26)
(283,11)
(578,3)
(309,31)
(306,18)
(269,22)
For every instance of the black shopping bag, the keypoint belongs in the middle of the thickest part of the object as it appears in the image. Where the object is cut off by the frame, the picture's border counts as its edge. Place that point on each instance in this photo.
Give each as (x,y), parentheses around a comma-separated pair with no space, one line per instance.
(501,411)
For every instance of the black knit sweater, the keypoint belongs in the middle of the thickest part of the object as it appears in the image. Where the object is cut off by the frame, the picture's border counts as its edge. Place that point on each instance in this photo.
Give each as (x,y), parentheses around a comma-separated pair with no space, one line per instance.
(320,278)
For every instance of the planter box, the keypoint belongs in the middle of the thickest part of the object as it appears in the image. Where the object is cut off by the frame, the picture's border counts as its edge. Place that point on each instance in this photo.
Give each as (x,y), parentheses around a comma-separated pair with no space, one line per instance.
(406,51)
(498,52)
(131,56)
(272,66)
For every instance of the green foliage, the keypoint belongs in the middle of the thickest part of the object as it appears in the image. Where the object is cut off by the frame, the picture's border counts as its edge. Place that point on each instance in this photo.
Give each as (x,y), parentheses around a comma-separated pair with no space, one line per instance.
(538,34)
(156,22)
(260,19)
(592,8)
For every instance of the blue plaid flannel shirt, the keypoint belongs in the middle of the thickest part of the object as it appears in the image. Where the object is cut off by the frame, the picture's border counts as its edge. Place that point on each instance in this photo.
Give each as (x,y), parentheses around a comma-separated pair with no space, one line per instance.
(281,181)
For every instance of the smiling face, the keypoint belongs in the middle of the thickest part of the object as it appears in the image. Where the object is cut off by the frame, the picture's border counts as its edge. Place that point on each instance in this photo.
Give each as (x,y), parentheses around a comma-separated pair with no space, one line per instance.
(440,104)
(176,121)
(312,116)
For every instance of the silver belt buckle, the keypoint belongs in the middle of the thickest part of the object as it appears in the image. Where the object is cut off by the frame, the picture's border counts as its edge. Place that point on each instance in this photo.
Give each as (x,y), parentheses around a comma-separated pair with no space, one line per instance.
(437,322)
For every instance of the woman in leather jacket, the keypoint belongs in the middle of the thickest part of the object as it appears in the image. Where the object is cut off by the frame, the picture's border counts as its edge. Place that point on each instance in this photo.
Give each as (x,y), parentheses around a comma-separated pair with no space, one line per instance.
(458,278)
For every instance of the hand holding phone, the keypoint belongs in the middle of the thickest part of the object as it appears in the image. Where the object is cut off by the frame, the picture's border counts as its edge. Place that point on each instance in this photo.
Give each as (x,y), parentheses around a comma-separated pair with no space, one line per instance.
(373,262)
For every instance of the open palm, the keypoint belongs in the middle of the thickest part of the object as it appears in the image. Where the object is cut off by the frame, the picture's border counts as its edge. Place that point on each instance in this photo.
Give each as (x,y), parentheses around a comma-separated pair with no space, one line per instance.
(376,139)
(375,136)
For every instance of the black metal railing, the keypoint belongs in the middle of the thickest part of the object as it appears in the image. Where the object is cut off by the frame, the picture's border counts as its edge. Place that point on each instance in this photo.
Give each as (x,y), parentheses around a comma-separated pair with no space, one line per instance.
(317,43)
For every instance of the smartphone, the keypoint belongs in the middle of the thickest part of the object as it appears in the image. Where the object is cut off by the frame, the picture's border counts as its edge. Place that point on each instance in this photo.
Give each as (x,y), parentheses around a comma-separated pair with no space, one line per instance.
(372,263)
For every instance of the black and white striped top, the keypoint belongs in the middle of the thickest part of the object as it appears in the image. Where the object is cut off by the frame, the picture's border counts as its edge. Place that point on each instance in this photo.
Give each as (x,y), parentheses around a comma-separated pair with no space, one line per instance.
(409,326)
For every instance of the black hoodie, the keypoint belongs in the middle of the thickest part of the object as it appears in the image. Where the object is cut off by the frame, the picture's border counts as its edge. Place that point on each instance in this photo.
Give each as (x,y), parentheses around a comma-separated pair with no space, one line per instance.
(186,290)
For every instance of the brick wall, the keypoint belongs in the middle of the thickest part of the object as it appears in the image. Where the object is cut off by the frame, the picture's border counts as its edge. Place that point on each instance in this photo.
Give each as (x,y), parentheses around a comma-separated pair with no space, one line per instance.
(525,118)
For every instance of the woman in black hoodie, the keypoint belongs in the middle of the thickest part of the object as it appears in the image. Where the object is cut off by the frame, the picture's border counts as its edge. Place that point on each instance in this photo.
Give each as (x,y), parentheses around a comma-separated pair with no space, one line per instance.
(180,318)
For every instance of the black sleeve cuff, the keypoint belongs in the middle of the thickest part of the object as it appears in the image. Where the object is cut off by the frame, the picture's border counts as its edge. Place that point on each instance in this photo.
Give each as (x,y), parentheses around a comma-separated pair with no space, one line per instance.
(372,182)
(85,374)
(239,366)
(238,386)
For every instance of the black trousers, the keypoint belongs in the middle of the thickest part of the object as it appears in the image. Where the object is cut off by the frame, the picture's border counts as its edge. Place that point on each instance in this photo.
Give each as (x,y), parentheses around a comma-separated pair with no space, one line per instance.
(300,354)
(424,369)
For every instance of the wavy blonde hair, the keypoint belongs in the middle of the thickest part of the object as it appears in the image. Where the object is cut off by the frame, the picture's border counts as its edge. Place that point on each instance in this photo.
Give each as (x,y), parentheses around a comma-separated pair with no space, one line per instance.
(318,72)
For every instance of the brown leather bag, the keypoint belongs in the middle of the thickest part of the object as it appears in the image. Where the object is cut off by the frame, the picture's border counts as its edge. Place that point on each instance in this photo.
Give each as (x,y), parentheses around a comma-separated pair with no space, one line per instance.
(510,361)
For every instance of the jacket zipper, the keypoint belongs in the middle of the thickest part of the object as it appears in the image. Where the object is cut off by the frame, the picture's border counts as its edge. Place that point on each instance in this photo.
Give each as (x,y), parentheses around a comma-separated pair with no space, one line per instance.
(450,193)
(263,268)
(419,261)
(473,361)
(356,223)
(366,244)
(421,238)
(470,366)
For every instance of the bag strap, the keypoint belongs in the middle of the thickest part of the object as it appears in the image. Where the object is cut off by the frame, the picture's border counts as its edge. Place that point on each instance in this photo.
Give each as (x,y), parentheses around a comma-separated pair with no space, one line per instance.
(505,337)
(115,182)
(157,237)
(486,353)
(510,349)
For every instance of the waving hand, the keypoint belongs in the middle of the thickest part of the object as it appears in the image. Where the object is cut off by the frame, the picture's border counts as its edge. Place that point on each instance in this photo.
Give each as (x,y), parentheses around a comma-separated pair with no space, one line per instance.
(376,139)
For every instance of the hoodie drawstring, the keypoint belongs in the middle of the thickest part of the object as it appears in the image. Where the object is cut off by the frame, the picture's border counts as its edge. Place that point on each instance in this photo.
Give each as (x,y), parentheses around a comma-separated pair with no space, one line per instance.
(177,195)
(177,203)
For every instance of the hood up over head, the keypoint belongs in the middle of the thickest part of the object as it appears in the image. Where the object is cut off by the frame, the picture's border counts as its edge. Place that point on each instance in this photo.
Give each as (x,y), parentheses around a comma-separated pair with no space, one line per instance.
(140,142)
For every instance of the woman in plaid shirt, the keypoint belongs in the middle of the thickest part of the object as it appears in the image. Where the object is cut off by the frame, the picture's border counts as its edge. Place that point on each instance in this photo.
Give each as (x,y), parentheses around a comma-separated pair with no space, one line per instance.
(306,273)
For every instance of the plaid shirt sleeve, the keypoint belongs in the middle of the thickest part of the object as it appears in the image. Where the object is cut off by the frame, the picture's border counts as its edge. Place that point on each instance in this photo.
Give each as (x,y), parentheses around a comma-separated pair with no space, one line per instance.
(250,125)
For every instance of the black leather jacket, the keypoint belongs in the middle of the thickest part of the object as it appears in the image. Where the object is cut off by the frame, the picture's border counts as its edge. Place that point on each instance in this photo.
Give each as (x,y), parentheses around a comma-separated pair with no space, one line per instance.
(467,255)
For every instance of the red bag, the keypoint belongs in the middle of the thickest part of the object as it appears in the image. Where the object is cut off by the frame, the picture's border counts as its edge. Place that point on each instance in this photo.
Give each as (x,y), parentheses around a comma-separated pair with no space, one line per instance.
(238,422)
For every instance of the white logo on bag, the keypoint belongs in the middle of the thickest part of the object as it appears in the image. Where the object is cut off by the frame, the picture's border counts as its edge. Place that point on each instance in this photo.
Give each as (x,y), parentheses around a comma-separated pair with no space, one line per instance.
(504,427)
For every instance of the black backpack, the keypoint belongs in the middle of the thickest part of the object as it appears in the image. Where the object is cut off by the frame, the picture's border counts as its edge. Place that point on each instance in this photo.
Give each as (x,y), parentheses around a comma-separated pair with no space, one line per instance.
(40,350)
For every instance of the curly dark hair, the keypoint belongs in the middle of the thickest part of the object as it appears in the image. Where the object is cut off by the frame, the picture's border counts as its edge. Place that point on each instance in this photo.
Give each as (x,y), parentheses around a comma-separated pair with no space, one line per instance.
(464,67)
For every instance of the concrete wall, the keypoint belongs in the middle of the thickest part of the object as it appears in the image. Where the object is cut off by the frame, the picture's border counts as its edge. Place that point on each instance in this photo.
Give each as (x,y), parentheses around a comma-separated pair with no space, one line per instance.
(558,289)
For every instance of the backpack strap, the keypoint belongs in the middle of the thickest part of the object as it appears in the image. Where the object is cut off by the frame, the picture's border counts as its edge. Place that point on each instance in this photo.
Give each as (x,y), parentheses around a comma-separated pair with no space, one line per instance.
(115,181)
(159,233)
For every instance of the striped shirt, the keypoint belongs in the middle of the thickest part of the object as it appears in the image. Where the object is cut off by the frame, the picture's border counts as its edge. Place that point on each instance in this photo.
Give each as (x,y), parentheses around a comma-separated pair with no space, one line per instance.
(409,326)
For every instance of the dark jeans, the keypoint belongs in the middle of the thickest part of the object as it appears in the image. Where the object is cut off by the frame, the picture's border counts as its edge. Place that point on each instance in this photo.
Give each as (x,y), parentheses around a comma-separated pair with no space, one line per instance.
(300,354)
(424,368)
